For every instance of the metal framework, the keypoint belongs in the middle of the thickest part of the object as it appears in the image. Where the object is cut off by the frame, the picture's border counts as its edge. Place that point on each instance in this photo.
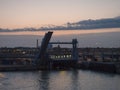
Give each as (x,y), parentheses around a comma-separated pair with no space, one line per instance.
(74,46)
(41,59)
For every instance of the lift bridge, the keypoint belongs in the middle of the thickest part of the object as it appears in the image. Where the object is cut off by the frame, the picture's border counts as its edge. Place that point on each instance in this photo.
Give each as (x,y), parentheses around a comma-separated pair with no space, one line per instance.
(43,60)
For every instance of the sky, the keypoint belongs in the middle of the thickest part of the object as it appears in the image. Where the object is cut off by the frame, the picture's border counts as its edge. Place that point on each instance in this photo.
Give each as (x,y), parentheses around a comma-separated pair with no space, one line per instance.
(37,13)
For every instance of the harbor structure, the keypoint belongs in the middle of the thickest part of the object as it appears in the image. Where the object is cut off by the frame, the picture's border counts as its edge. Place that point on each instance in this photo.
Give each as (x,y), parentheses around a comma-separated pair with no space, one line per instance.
(88,58)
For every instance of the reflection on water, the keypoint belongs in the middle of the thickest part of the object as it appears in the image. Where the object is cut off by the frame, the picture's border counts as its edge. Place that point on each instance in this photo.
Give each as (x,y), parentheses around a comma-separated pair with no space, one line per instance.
(44,80)
(59,80)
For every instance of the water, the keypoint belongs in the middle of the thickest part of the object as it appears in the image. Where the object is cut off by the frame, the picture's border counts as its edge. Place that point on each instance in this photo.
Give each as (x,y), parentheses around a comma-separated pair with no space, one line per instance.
(86,38)
(59,80)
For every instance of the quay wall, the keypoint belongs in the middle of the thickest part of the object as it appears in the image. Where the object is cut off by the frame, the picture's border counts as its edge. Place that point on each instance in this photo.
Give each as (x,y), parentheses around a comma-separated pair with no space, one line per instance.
(110,67)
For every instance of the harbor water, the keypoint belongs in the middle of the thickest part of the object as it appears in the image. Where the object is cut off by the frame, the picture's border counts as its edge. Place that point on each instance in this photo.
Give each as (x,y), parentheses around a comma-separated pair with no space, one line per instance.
(59,80)
(86,38)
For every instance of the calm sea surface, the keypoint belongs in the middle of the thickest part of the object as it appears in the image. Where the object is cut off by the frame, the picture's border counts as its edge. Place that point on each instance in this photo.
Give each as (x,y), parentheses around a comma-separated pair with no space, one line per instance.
(59,80)
(86,38)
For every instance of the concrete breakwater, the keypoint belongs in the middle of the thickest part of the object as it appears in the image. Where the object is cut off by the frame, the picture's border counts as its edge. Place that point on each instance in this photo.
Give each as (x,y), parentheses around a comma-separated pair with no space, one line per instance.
(110,67)
(117,65)
(95,66)
(64,65)
(98,59)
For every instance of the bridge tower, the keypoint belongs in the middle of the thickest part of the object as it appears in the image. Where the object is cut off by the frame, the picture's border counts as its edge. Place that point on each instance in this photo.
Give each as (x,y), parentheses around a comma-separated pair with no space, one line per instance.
(74,50)
(42,60)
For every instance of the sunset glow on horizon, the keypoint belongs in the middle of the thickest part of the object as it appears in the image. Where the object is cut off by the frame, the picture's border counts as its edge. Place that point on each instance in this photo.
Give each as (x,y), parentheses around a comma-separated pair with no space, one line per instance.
(63,32)
(37,13)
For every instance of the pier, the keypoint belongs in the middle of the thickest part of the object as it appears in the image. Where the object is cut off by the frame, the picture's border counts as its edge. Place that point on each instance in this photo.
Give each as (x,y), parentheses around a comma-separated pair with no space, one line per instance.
(44,58)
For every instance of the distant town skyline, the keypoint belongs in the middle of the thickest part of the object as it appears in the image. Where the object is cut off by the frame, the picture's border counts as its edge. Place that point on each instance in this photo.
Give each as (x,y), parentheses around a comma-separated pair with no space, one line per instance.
(37,13)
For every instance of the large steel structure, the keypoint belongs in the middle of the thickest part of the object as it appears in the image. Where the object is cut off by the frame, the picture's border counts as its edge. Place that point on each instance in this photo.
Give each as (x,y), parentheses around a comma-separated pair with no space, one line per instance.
(43,60)
(74,47)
